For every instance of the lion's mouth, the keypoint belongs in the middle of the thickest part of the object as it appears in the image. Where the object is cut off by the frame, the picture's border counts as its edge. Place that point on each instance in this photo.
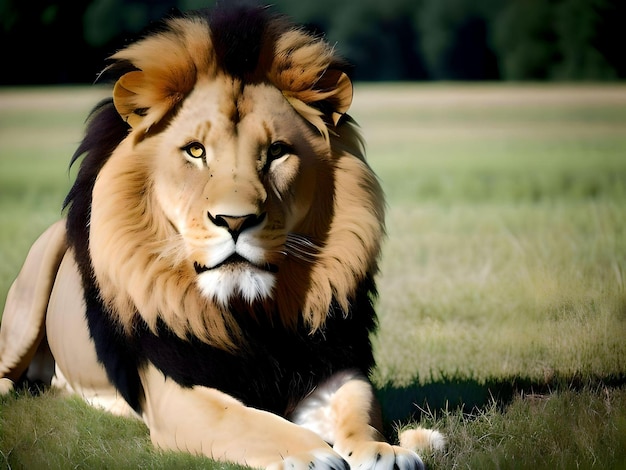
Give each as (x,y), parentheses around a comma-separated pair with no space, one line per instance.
(235,261)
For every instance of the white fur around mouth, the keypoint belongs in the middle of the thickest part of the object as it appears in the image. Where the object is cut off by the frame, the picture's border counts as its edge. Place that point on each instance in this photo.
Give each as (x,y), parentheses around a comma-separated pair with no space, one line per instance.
(236,277)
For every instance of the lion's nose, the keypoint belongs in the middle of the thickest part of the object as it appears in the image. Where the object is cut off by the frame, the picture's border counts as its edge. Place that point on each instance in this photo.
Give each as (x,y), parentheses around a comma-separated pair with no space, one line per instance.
(235,224)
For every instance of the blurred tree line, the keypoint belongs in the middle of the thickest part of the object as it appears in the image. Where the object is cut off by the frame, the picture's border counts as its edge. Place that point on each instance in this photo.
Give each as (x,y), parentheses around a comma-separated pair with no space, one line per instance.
(64,41)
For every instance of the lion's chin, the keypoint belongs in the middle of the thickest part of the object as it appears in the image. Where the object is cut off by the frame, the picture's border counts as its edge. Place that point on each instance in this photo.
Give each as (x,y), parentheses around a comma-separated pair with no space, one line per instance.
(227,283)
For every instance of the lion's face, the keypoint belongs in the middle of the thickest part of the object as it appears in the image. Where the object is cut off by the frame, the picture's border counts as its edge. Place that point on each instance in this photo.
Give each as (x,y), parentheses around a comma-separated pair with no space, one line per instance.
(234,173)
(238,184)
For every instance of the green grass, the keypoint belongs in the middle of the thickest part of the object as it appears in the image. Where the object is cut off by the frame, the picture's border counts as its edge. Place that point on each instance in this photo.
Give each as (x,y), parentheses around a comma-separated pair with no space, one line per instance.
(568,430)
(506,231)
(53,431)
(503,282)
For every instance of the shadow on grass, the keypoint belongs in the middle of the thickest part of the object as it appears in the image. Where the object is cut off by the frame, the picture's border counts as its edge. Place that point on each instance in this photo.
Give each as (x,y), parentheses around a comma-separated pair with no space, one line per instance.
(410,403)
(401,404)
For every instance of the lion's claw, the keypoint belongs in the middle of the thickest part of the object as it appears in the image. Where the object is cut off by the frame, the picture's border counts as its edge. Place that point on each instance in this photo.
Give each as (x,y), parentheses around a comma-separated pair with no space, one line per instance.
(382,456)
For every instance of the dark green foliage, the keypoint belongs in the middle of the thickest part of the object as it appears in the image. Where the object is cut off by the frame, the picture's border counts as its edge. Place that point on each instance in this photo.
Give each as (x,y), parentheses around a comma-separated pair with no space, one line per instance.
(559,39)
(62,41)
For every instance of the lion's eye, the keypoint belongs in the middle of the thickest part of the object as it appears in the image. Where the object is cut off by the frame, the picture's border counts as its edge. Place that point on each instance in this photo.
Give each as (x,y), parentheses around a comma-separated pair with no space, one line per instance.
(195,150)
(277,150)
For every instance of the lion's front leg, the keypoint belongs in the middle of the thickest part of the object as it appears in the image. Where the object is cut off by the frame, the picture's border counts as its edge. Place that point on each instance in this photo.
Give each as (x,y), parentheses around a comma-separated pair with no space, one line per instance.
(202,420)
(344,410)
(357,440)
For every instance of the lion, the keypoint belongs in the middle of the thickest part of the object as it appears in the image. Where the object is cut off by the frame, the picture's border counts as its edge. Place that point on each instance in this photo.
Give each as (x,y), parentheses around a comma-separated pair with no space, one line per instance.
(213,274)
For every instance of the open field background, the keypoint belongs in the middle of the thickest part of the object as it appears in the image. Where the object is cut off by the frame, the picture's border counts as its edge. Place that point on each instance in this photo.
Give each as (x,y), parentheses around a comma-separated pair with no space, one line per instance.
(502,288)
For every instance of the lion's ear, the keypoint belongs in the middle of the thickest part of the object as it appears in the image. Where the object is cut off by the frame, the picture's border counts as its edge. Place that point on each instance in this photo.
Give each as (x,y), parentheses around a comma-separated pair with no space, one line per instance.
(339,88)
(324,102)
(141,101)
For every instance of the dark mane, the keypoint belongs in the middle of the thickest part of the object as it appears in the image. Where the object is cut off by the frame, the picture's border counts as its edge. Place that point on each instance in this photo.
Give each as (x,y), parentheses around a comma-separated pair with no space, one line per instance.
(105,130)
(237,34)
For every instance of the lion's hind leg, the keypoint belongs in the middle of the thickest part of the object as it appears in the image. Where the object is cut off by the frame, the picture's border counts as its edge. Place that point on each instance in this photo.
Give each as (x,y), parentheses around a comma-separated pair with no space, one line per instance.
(22,329)
(344,411)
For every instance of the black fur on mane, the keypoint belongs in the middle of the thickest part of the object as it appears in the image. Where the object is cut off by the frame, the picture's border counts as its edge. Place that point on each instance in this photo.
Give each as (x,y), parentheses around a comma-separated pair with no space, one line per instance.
(237,29)
(237,34)
(105,130)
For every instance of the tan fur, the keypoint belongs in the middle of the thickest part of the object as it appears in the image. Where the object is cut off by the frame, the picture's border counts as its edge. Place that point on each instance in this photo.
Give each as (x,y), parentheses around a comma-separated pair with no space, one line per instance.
(421,439)
(168,65)
(76,368)
(245,435)
(175,414)
(135,241)
(356,438)
(25,309)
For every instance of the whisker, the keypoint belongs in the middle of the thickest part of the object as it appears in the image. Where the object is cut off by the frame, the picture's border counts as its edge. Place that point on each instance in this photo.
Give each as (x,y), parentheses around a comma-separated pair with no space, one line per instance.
(301,247)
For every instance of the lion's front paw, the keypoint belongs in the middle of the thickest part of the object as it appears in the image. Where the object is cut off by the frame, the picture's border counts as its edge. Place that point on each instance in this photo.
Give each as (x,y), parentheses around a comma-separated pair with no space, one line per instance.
(381,456)
(321,459)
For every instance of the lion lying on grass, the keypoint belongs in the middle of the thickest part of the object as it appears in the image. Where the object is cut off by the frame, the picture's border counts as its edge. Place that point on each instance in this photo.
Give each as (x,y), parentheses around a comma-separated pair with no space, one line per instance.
(215,271)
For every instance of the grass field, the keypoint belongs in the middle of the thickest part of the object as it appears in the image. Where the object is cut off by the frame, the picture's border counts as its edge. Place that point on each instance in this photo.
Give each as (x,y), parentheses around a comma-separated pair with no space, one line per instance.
(503,282)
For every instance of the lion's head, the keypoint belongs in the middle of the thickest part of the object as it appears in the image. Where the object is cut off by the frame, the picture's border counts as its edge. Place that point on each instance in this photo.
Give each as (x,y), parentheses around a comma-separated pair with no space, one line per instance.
(225,174)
